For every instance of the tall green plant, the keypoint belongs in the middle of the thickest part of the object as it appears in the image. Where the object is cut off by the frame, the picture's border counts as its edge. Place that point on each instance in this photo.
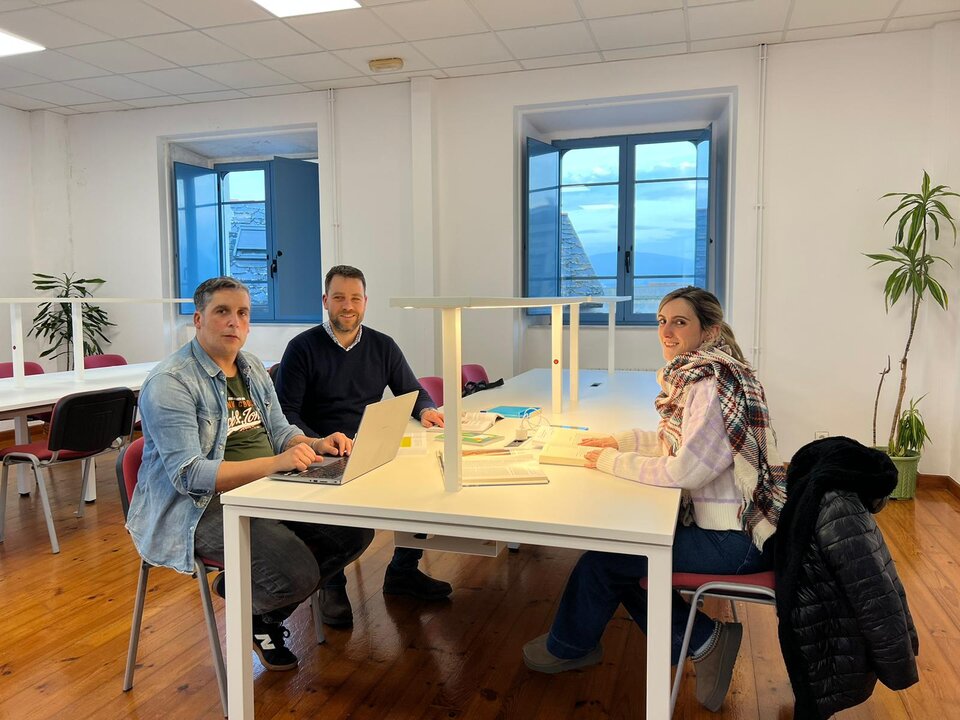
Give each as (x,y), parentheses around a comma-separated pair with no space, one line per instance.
(918,215)
(53,322)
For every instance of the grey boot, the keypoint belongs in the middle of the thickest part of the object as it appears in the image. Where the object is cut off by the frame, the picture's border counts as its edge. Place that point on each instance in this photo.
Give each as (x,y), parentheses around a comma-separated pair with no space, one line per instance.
(715,669)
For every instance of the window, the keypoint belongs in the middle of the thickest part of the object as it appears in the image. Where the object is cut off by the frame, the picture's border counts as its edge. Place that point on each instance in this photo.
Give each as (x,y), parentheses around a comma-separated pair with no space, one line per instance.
(258,222)
(623,215)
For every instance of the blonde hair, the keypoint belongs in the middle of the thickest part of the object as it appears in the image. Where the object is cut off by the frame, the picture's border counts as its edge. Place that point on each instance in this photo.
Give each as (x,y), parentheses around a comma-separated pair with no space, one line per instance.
(709,313)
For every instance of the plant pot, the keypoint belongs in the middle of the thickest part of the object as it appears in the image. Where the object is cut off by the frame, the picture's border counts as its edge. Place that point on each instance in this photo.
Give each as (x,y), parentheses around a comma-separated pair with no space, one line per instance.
(906,476)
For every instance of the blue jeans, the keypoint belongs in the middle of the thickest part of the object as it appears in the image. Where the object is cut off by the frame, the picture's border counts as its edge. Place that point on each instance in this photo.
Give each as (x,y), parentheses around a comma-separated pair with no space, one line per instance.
(601,581)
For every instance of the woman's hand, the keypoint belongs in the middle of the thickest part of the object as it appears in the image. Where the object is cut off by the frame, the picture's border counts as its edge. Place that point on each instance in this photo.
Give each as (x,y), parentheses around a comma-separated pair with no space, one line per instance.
(590,459)
(601,442)
(334,444)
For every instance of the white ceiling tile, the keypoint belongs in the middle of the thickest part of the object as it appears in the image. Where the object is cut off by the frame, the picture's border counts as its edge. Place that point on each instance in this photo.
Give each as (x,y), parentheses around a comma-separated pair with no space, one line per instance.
(503,14)
(22,102)
(48,28)
(99,107)
(315,66)
(118,56)
(188,48)
(344,29)
(413,61)
(486,69)
(263,39)
(694,3)
(926,7)
(243,75)
(609,8)
(814,13)
(55,66)
(14,5)
(421,19)
(562,61)
(177,81)
(740,41)
(832,31)
(64,111)
(288,89)
(657,28)
(741,18)
(645,52)
(920,22)
(216,96)
(120,18)
(115,87)
(548,40)
(341,83)
(156,101)
(59,94)
(11,76)
(464,50)
(206,13)
(395,77)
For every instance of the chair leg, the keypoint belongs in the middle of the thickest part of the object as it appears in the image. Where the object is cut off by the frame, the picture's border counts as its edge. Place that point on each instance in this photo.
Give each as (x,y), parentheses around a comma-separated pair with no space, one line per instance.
(42,488)
(3,498)
(733,610)
(317,617)
(684,646)
(135,625)
(87,462)
(212,632)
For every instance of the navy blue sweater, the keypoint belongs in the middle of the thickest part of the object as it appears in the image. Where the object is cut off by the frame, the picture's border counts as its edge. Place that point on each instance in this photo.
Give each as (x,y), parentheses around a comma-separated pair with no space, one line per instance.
(324,389)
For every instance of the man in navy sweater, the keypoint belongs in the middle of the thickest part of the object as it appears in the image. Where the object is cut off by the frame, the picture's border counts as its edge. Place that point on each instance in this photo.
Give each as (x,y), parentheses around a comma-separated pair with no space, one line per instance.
(327,376)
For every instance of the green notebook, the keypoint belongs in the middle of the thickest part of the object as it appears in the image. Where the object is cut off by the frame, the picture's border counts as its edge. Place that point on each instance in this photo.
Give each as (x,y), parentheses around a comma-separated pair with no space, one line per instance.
(475,438)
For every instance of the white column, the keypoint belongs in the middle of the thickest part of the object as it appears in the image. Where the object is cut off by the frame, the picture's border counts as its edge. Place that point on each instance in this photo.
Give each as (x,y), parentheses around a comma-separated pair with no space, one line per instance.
(77,310)
(452,442)
(21,429)
(574,356)
(16,343)
(556,359)
(611,335)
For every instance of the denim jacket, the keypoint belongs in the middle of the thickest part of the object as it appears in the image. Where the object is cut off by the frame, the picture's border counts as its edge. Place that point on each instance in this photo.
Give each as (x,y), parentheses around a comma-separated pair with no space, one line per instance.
(183,405)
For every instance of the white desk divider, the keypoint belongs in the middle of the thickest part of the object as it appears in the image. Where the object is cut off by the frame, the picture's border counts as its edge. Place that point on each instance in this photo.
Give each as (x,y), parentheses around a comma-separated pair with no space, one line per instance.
(451,307)
(16,324)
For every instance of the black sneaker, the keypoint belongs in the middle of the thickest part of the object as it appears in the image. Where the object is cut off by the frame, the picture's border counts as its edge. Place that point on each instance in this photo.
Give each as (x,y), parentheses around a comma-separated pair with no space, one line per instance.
(415,583)
(268,643)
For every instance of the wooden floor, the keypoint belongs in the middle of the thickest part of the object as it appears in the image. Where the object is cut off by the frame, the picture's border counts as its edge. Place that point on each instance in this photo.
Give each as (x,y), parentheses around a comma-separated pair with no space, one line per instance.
(66,620)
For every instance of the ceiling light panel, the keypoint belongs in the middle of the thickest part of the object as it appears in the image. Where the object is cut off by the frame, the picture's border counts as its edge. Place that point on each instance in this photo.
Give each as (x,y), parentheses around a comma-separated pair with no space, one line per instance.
(13,45)
(288,8)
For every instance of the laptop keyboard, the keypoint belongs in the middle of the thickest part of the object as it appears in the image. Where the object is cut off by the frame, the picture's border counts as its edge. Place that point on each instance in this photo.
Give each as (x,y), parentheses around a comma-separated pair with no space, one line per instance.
(331,470)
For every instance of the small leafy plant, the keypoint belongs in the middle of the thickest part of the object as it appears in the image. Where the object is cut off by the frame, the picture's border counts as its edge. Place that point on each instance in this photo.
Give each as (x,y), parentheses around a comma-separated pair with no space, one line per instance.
(911,431)
(53,322)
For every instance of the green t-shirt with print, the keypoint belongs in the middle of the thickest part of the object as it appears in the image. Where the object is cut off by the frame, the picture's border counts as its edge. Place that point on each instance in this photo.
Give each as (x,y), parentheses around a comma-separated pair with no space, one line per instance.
(246,436)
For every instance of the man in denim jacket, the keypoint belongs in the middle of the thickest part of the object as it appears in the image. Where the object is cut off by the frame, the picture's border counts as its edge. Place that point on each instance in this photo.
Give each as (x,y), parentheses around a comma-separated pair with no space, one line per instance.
(211,423)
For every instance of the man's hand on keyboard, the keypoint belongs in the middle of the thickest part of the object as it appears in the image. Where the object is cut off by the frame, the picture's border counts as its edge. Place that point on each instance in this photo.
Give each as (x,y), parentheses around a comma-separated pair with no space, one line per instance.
(334,444)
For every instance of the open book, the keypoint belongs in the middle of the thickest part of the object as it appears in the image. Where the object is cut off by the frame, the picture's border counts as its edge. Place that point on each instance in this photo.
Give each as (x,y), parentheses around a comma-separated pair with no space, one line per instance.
(498,467)
(564,448)
(478,422)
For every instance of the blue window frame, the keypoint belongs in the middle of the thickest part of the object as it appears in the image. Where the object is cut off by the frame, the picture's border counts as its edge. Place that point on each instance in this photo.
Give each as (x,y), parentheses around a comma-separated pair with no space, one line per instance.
(619,215)
(258,222)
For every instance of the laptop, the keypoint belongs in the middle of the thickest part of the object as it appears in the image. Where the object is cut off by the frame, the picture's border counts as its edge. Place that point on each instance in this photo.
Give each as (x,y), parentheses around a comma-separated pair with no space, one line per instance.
(376,443)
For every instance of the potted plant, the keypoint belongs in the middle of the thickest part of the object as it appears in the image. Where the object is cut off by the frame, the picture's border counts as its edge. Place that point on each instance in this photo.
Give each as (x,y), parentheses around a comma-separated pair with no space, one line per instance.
(911,436)
(919,220)
(54,321)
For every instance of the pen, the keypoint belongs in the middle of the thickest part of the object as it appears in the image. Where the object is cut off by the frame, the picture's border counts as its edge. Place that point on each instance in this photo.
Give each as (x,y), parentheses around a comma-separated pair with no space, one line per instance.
(572,427)
(440,461)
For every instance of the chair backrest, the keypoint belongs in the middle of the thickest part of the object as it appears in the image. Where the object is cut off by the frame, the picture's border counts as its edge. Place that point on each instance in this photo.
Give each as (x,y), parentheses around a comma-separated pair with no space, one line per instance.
(29,368)
(91,421)
(272,372)
(434,387)
(99,361)
(472,373)
(128,466)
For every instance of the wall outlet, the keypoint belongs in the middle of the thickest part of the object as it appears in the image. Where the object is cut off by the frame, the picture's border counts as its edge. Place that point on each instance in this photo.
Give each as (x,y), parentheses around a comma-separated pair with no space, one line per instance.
(820,434)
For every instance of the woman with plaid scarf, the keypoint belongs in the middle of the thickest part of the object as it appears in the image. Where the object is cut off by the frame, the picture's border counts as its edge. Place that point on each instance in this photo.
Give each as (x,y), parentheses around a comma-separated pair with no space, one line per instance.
(715,442)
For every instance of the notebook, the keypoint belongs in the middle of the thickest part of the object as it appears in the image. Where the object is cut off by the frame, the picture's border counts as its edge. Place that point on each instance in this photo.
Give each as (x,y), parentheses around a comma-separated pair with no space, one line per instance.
(376,443)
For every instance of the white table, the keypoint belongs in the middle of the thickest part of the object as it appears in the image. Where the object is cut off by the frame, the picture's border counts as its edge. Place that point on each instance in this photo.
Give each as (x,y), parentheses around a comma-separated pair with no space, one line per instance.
(39,393)
(580,508)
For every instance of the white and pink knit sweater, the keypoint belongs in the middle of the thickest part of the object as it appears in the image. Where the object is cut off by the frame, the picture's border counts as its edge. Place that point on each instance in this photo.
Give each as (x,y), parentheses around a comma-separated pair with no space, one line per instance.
(702,467)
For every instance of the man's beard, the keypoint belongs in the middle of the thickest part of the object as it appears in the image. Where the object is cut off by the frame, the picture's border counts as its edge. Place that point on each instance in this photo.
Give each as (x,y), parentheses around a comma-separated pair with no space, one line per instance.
(338,326)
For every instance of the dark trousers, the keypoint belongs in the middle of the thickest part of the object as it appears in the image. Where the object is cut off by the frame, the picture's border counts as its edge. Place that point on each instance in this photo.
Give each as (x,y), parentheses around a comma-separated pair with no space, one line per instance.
(602,581)
(288,559)
(404,560)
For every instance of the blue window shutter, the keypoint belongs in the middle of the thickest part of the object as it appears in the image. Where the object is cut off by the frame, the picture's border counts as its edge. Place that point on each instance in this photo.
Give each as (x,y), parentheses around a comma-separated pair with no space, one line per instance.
(295,209)
(542,221)
(197,228)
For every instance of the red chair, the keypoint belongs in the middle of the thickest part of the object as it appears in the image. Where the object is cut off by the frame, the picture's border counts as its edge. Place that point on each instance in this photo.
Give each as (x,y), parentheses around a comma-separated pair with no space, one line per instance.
(29,368)
(434,387)
(754,587)
(99,361)
(472,373)
(83,426)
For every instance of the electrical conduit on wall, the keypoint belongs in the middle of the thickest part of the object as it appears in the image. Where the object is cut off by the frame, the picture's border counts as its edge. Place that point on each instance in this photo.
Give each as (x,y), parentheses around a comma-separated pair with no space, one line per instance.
(761,136)
(334,192)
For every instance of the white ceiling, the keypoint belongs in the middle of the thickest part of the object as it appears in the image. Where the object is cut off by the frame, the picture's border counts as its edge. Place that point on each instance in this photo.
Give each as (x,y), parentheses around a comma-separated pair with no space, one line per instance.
(121,54)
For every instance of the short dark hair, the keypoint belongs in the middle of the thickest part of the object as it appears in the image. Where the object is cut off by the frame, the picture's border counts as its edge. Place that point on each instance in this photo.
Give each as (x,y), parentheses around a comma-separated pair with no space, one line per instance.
(347,271)
(206,289)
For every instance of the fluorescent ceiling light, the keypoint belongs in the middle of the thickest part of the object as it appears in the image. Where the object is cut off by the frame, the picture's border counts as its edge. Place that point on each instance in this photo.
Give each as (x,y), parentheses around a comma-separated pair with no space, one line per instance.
(13,45)
(287,8)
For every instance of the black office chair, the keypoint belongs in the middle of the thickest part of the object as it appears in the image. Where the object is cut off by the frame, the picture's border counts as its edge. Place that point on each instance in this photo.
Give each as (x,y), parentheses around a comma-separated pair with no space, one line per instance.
(82,426)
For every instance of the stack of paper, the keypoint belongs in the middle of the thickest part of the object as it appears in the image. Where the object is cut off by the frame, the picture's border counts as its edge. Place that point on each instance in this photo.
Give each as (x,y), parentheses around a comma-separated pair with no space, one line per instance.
(564,448)
(499,467)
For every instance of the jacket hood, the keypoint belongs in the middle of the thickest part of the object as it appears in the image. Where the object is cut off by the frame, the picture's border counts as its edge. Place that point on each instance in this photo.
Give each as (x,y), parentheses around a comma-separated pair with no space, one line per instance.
(840,463)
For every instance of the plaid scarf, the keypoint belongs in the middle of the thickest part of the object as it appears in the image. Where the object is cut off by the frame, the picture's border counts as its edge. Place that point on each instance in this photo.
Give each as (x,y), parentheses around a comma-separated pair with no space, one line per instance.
(757,468)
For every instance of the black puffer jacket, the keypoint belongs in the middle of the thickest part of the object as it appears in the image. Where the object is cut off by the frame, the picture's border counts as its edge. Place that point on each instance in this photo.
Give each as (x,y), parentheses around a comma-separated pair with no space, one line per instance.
(844,620)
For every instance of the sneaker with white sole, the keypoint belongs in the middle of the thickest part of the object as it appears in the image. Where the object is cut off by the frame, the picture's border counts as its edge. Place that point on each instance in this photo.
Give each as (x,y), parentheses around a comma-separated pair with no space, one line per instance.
(269,644)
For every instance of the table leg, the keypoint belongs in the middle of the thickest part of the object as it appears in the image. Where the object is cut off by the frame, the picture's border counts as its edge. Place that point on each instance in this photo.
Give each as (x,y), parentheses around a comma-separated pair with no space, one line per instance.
(26,483)
(236,537)
(659,609)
